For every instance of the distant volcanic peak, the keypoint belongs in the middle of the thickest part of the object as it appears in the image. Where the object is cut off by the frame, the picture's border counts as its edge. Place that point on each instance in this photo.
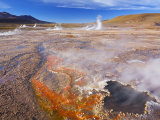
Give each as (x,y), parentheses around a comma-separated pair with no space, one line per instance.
(25,15)
(4,12)
(9,18)
(28,17)
(6,15)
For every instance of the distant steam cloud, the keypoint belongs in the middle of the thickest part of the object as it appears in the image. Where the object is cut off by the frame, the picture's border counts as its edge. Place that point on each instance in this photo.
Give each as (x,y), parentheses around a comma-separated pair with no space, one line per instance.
(15,31)
(97,26)
(35,25)
(23,26)
(99,23)
(88,27)
(94,27)
(56,27)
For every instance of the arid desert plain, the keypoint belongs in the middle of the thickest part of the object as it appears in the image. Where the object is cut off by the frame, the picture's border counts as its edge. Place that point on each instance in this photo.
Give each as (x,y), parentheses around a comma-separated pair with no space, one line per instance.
(71,74)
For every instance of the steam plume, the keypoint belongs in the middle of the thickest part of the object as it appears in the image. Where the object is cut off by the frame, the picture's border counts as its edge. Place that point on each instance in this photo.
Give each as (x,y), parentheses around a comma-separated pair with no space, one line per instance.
(99,23)
(35,25)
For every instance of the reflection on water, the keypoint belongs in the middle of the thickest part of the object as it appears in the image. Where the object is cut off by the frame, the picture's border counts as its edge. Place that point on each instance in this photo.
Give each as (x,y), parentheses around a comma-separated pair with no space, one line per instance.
(126,99)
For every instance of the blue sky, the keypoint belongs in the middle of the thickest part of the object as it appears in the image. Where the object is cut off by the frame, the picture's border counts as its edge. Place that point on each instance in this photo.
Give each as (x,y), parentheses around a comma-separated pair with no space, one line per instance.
(78,11)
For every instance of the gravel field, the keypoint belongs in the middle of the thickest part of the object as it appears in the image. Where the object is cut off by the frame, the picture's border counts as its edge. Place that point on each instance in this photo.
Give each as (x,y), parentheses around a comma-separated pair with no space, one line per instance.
(100,74)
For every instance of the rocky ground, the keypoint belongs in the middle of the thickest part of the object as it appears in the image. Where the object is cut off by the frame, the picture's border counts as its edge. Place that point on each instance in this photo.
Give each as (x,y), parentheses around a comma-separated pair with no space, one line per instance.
(98,54)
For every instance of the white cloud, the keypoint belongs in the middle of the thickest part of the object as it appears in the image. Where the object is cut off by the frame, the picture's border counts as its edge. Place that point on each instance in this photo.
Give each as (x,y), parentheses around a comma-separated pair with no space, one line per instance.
(3,5)
(107,4)
(74,7)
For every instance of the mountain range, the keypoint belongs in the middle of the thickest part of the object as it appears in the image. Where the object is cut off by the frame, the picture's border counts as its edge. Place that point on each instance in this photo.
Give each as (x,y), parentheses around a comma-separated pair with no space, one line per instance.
(9,18)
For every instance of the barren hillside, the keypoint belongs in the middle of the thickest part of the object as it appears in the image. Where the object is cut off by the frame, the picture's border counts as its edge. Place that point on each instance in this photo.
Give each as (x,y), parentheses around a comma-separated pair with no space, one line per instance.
(146,19)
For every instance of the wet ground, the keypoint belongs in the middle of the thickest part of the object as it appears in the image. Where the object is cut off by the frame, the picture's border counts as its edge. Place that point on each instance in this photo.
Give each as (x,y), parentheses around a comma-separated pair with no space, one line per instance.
(47,74)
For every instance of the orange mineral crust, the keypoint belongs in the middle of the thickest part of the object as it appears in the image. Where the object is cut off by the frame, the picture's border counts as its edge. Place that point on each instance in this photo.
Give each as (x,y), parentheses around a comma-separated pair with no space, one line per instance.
(64,104)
